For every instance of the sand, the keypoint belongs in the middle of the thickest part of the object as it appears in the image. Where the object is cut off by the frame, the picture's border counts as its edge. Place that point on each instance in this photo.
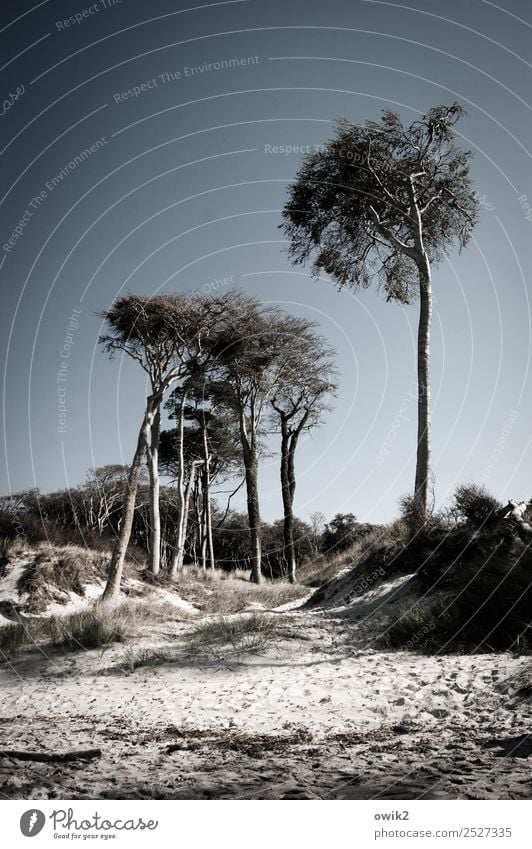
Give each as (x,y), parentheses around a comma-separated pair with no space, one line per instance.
(318,714)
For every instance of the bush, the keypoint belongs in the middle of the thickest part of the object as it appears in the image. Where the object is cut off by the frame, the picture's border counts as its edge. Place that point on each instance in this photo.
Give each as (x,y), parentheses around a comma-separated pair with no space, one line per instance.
(342,532)
(486,579)
(476,505)
(411,514)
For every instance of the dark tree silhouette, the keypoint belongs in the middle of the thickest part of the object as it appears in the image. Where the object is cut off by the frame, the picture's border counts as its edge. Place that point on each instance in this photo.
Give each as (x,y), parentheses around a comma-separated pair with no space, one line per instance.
(252,358)
(165,335)
(298,402)
(385,201)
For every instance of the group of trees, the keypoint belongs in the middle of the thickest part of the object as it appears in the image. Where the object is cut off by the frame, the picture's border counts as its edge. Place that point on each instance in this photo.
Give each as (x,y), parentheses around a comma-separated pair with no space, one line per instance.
(380,201)
(90,515)
(237,371)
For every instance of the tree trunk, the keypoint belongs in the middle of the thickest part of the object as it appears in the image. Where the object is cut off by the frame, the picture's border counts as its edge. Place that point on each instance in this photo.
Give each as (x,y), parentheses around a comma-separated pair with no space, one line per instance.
(254,517)
(287,490)
(116,566)
(182,512)
(155,512)
(203,534)
(421,489)
(207,497)
(249,450)
(179,552)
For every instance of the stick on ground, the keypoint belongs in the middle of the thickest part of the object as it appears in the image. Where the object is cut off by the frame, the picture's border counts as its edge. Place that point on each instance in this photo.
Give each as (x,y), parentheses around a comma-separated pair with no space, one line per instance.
(79,754)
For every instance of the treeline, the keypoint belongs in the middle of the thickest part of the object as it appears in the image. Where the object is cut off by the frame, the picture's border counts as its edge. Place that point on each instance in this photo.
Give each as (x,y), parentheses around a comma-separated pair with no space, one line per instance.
(230,372)
(90,515)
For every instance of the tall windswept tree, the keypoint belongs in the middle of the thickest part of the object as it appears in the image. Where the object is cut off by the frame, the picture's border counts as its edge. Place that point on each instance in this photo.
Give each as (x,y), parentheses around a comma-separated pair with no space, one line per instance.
(298,402)
(252,358)
(384,201)
(163,333)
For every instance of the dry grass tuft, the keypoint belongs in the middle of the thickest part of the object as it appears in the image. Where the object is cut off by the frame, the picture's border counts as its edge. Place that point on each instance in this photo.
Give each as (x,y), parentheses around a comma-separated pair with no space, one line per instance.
(93,627)
(137,658)
(226,593)
(248,634)
(57,571)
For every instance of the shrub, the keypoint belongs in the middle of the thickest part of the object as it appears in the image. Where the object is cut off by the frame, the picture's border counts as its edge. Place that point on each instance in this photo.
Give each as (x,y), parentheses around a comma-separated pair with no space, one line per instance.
(342,532)
(411,514)
(476,505)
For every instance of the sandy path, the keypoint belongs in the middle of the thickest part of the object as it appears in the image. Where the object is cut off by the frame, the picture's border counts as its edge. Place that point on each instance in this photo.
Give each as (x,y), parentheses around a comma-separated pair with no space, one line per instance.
(313,717)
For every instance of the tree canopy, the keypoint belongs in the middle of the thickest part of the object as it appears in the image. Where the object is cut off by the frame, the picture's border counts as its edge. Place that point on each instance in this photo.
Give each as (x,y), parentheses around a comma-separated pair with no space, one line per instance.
(378,193)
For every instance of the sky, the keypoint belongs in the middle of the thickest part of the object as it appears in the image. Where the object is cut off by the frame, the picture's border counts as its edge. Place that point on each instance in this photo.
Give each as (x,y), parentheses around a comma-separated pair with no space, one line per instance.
(148,148)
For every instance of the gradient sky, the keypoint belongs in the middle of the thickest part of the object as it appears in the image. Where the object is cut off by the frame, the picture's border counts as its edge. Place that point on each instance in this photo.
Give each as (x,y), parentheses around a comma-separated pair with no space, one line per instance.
(185,190)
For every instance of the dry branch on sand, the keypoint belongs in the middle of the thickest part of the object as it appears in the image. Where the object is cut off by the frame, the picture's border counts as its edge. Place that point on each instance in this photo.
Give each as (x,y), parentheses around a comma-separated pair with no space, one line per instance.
(44,757)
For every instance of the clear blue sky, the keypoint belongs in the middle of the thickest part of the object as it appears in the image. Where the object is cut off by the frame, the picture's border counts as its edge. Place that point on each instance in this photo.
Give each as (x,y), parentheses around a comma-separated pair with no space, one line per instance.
(184,189)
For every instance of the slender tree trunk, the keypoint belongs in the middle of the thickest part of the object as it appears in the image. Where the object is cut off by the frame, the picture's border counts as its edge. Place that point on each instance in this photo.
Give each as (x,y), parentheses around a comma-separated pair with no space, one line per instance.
(207,497)
(249,450)
(287,491)
(421,490)
(116,566)
(254,517)
(155,509)
(203,535)
(182,512)
(179,552)
(197,522)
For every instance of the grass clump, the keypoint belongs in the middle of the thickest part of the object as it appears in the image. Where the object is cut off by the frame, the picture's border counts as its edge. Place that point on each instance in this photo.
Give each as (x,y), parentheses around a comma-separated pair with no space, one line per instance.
(380,553)
(90,629)
(419,625)
(13,638)
(94,627)
(248,634)
(136,658)
(54,573)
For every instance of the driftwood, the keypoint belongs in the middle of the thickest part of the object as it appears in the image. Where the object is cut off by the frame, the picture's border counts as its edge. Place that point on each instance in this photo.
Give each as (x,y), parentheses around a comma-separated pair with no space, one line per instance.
(515,512)
(75,755)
